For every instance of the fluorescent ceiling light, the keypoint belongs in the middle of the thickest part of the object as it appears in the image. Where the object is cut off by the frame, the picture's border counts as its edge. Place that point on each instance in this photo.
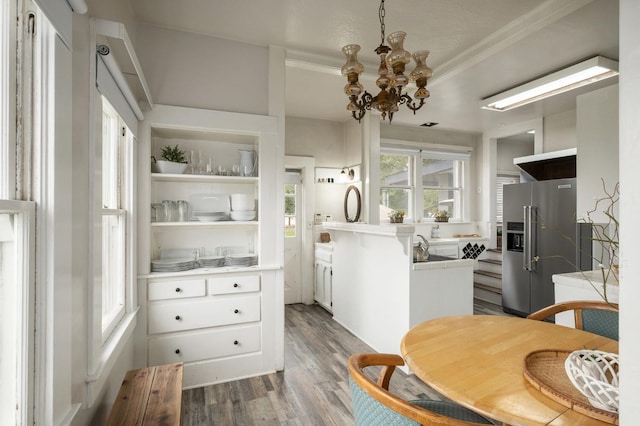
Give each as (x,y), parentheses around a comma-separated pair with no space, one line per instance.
(578,75)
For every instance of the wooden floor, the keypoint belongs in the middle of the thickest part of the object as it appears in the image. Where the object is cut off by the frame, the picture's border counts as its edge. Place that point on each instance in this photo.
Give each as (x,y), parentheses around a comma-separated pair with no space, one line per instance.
(312,390)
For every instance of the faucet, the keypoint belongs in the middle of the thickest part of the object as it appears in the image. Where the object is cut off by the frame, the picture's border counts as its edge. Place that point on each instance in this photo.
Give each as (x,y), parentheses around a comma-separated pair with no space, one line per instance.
(424,245)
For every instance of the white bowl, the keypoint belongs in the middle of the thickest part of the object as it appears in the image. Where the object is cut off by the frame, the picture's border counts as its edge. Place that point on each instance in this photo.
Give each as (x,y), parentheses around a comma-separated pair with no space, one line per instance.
(170,167)
(242,202)
(243,215)
(595,374)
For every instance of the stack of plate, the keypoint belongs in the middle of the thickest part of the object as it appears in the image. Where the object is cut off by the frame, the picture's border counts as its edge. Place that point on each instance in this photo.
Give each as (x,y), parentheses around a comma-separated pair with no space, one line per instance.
(244,259)
(243,215)
(173,265)
(211,261)
(210,216)
(243,207)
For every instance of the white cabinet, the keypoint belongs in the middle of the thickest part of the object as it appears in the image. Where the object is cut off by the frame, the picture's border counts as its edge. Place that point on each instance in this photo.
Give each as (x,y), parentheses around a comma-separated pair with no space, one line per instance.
(322,291)
(223,322)
(448,250)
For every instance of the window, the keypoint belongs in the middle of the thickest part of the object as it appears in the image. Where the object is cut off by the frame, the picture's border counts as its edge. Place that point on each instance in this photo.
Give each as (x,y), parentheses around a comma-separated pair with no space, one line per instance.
(501,181)
(289,210)
(396,183)
(115,138)
(440,177)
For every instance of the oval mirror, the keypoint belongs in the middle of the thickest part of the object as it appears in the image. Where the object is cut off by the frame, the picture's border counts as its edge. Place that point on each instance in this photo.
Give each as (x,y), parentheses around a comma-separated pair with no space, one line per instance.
(352,204)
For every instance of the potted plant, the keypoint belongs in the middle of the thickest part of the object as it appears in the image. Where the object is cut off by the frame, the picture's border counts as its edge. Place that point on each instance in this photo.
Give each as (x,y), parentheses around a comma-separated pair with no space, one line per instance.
(441,216)
(173,160)
(396,216)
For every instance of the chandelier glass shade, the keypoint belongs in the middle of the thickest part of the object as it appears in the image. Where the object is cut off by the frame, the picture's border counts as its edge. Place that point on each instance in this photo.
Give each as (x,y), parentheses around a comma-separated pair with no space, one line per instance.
(391,76)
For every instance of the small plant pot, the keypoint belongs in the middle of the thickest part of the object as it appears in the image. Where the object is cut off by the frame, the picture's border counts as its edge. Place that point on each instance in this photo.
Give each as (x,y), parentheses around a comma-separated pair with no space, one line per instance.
(396,220)
(441,219)
(171,167)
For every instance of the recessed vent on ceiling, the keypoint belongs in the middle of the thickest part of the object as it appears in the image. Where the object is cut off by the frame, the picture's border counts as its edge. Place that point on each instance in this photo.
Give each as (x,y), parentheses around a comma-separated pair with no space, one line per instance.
(429,124)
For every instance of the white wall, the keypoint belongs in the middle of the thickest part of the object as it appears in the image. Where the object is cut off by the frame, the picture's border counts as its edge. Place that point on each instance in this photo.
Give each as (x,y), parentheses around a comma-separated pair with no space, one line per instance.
(560,131)
(629,206)
(193,70)
(321,139)
(508,150)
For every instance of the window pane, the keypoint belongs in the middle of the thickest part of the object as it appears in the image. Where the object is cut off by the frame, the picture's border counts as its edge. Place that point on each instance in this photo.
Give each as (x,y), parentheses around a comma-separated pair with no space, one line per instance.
(438,173)
(8,320)
(439,199)
(442,186)
(394,170)
(112,268)
(110,160)
(393,199)
(290,210)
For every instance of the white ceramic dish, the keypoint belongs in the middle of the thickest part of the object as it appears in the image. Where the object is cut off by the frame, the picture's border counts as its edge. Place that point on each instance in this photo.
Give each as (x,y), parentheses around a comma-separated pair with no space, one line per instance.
(242,202)
(243,215)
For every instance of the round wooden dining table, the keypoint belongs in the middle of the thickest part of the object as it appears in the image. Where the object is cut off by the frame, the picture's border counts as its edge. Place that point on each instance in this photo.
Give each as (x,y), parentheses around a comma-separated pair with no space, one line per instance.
(478,362)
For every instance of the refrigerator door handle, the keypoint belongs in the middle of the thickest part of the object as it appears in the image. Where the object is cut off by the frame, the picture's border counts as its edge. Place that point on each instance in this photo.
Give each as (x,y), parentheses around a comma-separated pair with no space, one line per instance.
(529,237)
(525,251)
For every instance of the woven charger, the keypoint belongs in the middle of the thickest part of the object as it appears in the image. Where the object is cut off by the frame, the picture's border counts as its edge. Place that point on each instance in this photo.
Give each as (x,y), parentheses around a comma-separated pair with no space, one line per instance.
(545,370)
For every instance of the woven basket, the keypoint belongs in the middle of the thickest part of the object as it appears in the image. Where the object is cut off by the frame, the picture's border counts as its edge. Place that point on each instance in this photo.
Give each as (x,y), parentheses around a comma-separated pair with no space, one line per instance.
(595,374)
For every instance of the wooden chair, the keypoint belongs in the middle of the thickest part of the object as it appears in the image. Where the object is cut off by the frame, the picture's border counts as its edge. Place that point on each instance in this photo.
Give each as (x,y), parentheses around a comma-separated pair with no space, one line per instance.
(596,317)
(373,404)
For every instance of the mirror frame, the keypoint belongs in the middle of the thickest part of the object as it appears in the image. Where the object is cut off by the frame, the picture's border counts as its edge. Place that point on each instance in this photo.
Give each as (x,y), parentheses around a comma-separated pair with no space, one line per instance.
(358,201)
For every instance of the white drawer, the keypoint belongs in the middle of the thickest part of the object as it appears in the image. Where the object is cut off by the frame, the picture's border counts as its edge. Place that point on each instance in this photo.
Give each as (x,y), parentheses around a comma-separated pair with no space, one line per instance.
(176,289)
(233,284)
(202,345)
(165,317)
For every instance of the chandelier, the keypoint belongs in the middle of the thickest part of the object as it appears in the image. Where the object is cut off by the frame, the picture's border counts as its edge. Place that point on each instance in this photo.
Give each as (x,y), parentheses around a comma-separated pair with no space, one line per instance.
(391,79)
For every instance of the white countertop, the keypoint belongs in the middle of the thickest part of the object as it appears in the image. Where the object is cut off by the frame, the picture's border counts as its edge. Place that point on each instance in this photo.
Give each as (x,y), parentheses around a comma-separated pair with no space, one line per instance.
(586,282)
(443,264)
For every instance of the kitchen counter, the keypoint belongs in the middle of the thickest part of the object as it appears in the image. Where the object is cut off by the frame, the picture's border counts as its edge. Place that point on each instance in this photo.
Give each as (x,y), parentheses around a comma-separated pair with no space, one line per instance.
(586,285)
(379,293)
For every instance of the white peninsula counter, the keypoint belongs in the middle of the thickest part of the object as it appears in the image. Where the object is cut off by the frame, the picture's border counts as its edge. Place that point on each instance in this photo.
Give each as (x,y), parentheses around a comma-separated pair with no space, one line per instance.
(587,285)
(379,293)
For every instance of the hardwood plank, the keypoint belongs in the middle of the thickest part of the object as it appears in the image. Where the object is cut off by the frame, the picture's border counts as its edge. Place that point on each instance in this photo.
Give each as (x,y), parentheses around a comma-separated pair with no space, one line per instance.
(165,400)
(312,390)
(135,383)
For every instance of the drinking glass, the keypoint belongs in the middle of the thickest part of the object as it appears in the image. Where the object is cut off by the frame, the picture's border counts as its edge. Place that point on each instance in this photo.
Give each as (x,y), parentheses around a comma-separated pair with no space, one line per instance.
(183,211)
(169,207)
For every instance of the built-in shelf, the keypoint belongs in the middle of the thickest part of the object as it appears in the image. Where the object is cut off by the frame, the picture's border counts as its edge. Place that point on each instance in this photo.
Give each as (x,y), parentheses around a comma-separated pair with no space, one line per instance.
(166,177)
(194,224)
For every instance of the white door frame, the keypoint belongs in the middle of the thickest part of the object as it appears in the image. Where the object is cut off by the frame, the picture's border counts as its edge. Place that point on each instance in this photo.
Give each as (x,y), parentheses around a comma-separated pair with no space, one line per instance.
(307,168)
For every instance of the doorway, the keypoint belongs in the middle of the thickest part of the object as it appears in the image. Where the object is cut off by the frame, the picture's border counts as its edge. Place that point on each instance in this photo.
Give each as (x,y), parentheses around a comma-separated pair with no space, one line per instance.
(299,235)
(292,236)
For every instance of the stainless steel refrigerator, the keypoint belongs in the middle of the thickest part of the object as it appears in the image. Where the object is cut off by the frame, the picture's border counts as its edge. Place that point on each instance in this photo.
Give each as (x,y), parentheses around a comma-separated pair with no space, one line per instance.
(542,239)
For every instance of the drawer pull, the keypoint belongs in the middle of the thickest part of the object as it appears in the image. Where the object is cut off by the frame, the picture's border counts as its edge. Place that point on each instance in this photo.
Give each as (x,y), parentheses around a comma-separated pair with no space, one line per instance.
(178,290)
(235,342)
(235,285)
(178,317)
(177,351)
(235,311)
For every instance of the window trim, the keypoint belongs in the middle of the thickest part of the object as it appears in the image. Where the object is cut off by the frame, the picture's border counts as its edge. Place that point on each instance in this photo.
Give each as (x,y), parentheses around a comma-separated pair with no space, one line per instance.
(105,349)
(416,205)
(25,225)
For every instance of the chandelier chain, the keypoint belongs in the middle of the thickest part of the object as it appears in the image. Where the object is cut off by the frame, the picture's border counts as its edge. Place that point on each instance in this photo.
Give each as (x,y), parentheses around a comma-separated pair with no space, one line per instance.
(381,13)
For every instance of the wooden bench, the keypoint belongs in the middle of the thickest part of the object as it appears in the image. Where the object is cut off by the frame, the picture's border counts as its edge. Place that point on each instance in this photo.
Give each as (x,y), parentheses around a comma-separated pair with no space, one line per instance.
(149,396)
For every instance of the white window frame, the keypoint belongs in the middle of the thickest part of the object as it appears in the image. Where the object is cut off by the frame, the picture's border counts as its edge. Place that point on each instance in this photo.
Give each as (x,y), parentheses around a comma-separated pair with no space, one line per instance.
(24,219)
(460,186)
(106,344)
(114,206)
(416,188)
(411,180)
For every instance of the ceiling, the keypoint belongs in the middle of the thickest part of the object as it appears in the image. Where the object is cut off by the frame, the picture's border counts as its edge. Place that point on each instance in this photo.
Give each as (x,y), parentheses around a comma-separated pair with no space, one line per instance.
(478,48)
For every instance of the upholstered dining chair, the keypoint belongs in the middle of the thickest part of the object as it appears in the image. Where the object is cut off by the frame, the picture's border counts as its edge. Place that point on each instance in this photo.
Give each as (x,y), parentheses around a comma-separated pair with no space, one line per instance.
(594,316)
(374,405)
